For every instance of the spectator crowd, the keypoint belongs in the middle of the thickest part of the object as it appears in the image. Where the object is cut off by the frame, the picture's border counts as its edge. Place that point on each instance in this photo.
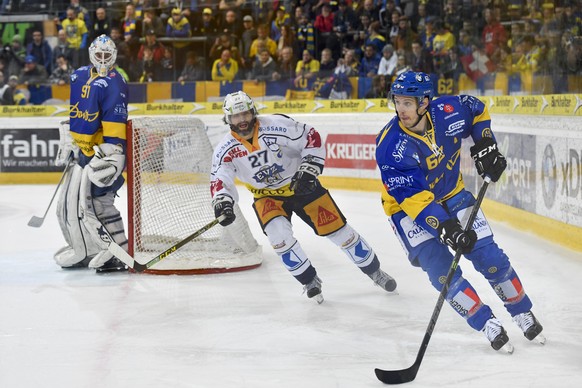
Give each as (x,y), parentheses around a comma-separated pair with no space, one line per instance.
(313,44)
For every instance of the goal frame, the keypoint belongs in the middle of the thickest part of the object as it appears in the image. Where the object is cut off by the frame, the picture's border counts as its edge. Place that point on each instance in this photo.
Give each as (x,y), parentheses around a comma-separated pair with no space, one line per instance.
(133,155)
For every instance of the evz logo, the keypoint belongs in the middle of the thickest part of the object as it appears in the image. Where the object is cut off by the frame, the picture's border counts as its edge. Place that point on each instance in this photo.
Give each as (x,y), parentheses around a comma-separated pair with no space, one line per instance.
(269,174)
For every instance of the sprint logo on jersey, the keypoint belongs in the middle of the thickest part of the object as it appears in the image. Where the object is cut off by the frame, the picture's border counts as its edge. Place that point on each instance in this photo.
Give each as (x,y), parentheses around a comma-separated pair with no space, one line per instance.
(269,174)
(399,181)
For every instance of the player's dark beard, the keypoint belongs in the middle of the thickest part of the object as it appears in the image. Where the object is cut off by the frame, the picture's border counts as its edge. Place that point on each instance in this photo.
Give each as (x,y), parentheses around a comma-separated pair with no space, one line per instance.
(244,132)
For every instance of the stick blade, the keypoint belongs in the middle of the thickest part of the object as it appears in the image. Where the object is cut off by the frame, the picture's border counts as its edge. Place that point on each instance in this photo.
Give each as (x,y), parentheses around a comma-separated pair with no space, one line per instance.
(121,254)
(36,222)
(396,376)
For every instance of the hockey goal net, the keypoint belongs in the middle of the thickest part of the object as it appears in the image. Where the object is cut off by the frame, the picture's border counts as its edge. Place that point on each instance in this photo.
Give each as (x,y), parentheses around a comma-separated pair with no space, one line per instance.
(169,161)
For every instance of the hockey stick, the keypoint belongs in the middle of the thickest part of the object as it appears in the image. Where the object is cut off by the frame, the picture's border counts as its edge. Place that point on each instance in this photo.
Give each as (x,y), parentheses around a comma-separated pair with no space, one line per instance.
(36,222)
(122,255)
(409,374)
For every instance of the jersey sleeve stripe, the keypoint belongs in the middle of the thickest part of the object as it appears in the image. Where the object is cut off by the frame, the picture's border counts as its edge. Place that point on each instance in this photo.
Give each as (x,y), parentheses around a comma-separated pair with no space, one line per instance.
(111,129)
(415,204)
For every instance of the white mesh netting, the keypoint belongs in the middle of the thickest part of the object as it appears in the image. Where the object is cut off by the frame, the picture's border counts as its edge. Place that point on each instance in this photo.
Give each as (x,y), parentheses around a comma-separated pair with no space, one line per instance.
(169,161)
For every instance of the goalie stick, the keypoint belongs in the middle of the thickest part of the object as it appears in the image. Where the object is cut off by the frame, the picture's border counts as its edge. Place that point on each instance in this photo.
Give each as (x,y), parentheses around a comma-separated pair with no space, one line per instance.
(36,222)
(409,374)
(122,255)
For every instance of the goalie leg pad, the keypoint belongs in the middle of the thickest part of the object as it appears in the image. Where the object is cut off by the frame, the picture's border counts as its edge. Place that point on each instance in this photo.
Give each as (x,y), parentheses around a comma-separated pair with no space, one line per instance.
(80,243)
(280,234)
(356,248)
(105,216)
(102,220)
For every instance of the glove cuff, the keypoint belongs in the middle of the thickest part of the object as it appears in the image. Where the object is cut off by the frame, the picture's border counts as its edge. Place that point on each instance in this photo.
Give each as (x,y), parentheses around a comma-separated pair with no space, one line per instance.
(486,144)
(310,168)
(222,198)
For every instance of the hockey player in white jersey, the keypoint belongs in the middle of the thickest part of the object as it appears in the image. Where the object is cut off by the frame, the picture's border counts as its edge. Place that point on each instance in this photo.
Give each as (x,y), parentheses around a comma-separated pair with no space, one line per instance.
(279,160)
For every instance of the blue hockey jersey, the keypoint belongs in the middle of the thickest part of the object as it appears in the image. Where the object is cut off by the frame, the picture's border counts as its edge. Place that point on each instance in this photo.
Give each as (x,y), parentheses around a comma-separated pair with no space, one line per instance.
(98,111)
(419,172)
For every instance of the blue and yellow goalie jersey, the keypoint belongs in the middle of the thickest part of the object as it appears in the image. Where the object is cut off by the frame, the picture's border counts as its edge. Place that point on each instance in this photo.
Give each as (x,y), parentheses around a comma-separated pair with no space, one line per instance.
(98,111)
(419,172)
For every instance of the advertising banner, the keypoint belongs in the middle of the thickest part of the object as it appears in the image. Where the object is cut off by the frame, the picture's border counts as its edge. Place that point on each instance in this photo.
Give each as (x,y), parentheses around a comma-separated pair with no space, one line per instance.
(351,151)
(560,176)
(517,185)
(29,150)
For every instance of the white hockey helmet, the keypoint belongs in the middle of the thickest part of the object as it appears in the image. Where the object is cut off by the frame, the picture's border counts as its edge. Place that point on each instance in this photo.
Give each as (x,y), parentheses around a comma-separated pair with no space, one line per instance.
(235,103)
(103,54)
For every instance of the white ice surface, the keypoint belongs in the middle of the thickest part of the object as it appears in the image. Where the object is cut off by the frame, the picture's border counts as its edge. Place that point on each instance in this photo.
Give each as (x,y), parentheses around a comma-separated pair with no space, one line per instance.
(255,329)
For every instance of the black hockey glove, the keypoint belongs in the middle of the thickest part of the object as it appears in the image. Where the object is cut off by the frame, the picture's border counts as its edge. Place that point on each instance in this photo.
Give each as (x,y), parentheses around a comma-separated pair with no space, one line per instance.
(488,160)
(223,206)
(452,234)
(304,182)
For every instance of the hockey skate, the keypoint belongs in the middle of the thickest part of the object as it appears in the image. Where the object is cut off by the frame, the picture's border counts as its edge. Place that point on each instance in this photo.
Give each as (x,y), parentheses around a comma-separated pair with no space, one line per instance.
(112,265)
(313,289)
(530,326)
(81,264)
(497,335)
(383,280)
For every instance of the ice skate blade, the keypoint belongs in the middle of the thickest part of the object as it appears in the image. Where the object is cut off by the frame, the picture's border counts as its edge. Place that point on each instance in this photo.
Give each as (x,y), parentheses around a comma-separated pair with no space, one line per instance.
(318,298)
(540,339)
(507,348)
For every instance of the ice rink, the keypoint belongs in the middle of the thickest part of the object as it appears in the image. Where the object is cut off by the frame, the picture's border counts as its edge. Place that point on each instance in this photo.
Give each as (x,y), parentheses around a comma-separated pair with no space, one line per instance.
(255,329)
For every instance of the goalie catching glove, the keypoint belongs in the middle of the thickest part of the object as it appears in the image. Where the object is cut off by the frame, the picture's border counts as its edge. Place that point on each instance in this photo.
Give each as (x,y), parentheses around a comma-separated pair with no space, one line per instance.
(488,160)
(107,165)
(224,206)
(452,234)
(304,182)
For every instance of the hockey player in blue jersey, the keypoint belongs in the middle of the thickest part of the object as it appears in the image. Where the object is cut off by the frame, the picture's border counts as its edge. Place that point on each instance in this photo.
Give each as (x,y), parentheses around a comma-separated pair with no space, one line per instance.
(96,139)
(418,157)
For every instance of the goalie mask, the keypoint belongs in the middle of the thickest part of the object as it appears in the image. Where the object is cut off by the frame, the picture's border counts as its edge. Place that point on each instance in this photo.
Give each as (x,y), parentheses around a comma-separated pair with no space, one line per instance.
(103,54)
(240,113)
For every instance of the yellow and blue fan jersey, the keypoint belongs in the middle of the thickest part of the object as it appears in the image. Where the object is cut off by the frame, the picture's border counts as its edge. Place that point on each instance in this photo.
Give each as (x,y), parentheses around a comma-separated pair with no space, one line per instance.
(419,172)
(98,111)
